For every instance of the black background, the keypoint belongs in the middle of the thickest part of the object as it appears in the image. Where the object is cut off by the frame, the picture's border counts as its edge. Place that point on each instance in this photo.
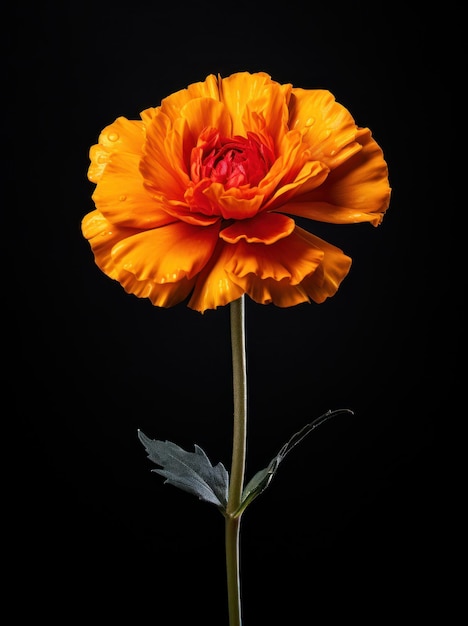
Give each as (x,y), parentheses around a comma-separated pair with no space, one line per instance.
(351,524)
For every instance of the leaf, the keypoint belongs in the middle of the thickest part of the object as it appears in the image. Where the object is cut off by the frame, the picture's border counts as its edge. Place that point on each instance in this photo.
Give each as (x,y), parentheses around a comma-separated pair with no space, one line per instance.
(190,471)
(260,481)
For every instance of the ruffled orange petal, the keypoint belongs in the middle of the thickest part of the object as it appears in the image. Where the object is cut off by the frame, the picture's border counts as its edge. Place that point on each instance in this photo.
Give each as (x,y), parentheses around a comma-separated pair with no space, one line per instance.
(270,291)
(357,191)
(291,258)
(166,254)
(121,136)
(311,176)
(234,203)
(166,295)
(271,105)
(169,254)
(264,228)
(214,287)
(335,265)
(172,104)
(162,165)
(182,212)
(211,199)
(327,127)
(244,93)
(287,165)
(103,236)
(203,113)
(320,284)
(122,199)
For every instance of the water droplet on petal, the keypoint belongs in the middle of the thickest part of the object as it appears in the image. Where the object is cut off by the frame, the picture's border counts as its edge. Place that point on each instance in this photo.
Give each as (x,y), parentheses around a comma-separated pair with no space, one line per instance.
(122,198)
(113,136)
(310,121)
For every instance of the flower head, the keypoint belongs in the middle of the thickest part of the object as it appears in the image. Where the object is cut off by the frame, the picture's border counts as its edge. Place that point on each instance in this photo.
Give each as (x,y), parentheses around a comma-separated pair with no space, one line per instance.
(196,200)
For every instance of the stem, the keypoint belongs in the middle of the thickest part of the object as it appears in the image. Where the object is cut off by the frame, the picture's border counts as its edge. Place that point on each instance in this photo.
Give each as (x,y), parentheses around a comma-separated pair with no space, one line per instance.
(232,530)
(232,569)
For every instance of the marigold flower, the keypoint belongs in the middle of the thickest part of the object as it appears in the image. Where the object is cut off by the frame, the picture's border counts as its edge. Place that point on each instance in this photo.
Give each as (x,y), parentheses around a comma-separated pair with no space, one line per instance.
(194,201)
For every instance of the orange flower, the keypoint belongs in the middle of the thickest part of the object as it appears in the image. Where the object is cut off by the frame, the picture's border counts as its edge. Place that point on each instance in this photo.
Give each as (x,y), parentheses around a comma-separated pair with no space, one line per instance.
(194,200)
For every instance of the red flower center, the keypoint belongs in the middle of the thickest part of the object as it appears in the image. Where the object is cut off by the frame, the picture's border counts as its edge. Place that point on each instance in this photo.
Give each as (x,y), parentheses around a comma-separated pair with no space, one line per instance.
(234,162)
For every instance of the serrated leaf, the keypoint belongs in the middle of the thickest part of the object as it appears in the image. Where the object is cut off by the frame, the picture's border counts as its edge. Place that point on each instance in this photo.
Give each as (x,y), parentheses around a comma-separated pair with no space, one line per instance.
(260,481)
(189,471)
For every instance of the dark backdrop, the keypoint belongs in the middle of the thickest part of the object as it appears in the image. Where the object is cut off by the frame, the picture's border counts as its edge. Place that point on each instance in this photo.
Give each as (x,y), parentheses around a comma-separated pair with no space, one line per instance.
(352,519)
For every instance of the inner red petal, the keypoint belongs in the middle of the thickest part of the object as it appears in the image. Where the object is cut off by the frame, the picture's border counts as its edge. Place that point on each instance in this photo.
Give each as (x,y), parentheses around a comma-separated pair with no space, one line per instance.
(233,162)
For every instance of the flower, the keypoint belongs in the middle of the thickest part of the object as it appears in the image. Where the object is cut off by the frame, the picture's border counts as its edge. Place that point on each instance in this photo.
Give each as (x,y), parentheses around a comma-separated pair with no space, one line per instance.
(195,200)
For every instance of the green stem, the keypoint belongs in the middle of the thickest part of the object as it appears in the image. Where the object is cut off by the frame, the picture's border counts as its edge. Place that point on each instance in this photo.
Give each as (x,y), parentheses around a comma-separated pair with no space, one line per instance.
(236,481)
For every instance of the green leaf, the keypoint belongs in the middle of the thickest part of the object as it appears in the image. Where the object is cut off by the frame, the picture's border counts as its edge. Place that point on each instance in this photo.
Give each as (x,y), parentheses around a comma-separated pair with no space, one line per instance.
(260,481)
(190,471)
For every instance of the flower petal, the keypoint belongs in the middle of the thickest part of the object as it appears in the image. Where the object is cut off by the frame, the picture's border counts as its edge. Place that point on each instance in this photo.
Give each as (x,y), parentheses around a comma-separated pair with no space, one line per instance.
(286,166)
(181,211)
(270,291)
(166,254)
(166,295)
(321,283)
(292,258)
(264,228)
(162,166)
(327,127)
(214,287)
(357,191)
(335,265)
(212,199)
(123,136)
(244,93)
(203,113)
(270,109)
(121,197)
(172,104)
(234,203)
(102,236)
(311,176)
